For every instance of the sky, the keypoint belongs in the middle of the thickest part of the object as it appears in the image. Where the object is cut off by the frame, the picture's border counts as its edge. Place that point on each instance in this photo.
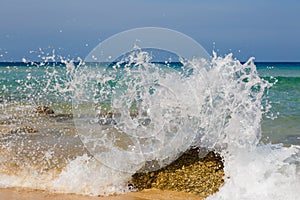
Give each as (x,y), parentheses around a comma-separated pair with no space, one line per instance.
(268,30)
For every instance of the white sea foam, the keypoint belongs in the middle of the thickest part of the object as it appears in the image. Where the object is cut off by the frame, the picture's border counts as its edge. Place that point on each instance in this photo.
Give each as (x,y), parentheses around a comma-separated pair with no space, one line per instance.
(84,175)
(253,170)
(266,172)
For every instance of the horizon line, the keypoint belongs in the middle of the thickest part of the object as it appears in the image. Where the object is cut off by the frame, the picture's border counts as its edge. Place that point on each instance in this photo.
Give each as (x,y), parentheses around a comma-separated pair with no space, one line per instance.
(159,62)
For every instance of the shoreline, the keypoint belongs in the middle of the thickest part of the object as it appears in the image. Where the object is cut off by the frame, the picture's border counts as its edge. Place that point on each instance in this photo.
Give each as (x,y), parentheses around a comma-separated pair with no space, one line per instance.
(188,177)
(197,171)
(147,194)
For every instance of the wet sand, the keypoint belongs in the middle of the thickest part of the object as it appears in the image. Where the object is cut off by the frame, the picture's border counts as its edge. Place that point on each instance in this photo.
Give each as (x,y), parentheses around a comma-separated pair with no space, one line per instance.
(149,194)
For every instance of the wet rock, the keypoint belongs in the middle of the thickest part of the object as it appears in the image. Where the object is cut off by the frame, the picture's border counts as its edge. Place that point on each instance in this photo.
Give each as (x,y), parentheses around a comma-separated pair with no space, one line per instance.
(62,117)
(110,118)
(106,118)
(189,173)
(24,129)
(44,110)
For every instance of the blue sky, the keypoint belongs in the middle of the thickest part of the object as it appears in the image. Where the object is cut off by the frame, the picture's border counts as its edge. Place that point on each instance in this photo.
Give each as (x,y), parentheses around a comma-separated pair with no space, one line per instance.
(269,30)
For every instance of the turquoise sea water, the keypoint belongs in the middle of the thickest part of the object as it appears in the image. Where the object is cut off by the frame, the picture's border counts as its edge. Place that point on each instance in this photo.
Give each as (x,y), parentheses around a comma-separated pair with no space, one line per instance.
(284,96)
(22,82)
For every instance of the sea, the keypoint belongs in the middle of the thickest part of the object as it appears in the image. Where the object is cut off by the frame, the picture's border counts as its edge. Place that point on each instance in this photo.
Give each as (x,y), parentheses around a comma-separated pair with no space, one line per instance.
(85,128)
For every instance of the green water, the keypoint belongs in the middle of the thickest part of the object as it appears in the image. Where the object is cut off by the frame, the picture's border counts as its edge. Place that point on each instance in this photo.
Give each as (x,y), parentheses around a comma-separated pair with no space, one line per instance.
(38,85)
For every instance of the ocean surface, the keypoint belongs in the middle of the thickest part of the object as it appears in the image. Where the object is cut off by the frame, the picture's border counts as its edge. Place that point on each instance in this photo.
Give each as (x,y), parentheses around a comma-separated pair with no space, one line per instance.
(248,112)
(284,97)
(280,125)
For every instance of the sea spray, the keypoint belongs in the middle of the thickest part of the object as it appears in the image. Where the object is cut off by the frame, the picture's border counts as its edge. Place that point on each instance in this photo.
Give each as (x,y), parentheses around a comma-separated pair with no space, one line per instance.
(90,177)
(253,170)
(149,113)
(266,172)
(230,124)
(213,104)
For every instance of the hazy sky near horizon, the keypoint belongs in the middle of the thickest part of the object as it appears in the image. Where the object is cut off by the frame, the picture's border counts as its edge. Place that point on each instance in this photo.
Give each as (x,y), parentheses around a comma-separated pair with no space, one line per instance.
(268,30)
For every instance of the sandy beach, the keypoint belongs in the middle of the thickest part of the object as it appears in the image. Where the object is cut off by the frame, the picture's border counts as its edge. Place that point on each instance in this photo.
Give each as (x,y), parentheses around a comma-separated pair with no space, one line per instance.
(149,194)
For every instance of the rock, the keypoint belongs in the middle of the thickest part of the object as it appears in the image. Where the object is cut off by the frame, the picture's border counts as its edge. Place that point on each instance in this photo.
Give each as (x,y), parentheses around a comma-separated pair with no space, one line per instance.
(106,118)
(24,129)
(109,118)
(189,173)
(62,117)
(44,110)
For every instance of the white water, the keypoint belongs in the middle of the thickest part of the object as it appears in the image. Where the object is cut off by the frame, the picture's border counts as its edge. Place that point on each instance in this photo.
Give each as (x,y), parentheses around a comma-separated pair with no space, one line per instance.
(253,170)
(164,100)
(224,99)
(266,172)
